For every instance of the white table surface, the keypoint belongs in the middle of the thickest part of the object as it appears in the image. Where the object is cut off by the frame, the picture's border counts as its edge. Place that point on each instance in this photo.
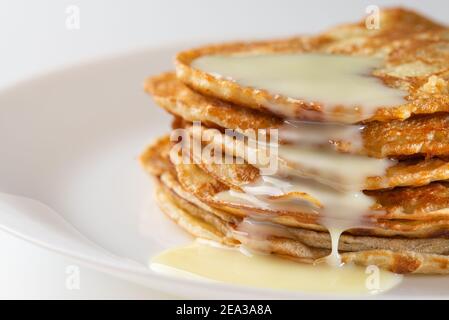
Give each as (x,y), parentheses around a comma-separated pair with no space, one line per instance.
(34,39)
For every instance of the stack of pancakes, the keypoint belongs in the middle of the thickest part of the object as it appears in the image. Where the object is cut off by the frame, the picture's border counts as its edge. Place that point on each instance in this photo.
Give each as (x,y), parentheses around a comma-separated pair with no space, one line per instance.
(405,230)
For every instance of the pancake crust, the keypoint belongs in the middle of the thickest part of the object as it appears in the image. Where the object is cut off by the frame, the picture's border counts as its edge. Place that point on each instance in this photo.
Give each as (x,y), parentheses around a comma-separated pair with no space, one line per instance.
(424,135)
(414,50)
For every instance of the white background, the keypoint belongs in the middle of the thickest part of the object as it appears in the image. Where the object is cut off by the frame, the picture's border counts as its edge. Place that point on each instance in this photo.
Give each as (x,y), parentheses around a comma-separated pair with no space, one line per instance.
(34,39)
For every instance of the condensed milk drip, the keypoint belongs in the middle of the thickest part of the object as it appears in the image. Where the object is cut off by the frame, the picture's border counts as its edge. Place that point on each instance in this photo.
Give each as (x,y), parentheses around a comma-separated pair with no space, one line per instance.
(256,232)
(312,133)
(338,211)
(325,79)
(312,179)
(342,171)
(260,230)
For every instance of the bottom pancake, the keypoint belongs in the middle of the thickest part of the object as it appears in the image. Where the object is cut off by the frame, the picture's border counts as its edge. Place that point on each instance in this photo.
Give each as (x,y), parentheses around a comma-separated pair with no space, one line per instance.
(305,243)
(307,246)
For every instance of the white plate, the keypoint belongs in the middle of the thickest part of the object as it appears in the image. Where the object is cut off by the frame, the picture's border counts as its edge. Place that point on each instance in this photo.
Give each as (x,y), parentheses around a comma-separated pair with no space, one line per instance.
(70,141)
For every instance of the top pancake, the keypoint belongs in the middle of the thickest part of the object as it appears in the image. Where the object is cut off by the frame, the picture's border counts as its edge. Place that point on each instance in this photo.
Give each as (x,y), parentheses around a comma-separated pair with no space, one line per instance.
(426,135)
(413,49)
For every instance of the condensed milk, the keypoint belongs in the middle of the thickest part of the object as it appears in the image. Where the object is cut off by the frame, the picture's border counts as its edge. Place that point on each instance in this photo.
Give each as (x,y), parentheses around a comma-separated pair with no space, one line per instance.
(211,262)
(327,80)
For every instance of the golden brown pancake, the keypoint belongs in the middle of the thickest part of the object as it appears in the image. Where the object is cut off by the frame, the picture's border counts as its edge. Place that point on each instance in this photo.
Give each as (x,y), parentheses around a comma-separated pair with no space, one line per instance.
(423,135)
(418,203)
(411,172)
(400,255)
(414,52)
(409,212)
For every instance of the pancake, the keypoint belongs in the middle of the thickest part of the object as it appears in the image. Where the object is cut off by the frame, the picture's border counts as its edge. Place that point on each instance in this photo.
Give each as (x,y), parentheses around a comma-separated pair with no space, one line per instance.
(424,135)
(413,53)
(411,172)
(400,255)
(408,212)
(428,202)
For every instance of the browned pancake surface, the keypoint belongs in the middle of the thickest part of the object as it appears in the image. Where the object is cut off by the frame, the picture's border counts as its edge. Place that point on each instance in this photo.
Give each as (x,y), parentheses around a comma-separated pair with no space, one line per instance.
(424,135)
(414,49)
